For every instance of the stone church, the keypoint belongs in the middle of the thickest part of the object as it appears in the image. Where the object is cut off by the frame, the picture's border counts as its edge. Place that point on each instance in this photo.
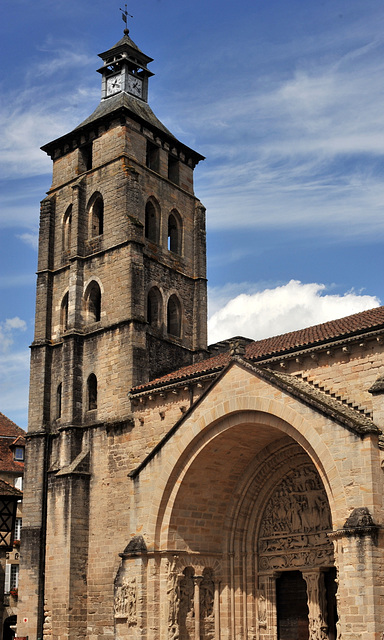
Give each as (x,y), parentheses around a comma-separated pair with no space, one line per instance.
(176,491)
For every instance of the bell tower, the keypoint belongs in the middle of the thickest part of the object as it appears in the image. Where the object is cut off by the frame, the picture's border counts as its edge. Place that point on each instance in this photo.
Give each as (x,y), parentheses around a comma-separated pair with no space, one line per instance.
(121,299)
(121,293)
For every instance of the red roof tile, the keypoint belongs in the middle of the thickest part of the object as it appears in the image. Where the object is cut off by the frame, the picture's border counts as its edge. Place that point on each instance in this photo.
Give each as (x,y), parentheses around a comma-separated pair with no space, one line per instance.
(357,323)
(9,428)
(327,331)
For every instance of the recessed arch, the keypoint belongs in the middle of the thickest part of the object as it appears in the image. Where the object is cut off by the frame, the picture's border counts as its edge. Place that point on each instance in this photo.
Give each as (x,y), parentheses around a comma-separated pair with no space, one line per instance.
(252,411)
(174,316)
(67,229)
(96,215)
(92,302)
(64,313)
(152,221)
(154,307)
(91,392)
(175,232)
(59,399)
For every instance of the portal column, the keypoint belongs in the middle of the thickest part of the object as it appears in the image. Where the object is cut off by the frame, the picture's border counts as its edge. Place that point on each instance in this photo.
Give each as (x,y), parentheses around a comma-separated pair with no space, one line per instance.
(316,600)
(197,581)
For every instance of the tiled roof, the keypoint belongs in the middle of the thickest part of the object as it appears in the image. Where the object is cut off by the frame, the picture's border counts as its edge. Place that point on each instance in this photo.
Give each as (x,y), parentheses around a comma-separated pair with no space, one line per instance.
(199,368)
(7,489)
(333,330)
(10,434)
(358,323)
(9,428)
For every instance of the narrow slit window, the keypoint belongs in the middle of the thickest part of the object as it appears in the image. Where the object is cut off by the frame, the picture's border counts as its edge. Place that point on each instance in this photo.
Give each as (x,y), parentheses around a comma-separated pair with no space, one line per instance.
(92,392)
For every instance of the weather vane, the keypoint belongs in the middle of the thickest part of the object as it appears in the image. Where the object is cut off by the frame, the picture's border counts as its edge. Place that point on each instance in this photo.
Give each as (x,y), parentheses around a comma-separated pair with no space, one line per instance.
(124,15)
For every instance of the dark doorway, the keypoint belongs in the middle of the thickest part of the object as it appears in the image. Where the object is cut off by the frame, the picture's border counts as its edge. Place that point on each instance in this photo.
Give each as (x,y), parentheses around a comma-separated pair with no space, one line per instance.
(8,633)
(292,609)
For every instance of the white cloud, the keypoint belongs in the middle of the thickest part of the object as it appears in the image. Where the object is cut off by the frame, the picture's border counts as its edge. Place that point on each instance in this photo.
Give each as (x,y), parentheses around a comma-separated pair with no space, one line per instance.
(31,239)
(261,314)
(14,382)
(7,328)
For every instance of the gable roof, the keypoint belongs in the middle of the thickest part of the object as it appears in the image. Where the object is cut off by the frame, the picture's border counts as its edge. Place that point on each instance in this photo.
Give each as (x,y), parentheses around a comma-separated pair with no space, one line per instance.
(316,399)
(357,324)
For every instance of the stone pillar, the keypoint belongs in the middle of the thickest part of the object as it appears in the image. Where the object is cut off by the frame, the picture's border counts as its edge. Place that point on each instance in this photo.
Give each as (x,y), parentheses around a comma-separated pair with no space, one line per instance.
(316,604)
(197,581)
(359,560)
(217,609)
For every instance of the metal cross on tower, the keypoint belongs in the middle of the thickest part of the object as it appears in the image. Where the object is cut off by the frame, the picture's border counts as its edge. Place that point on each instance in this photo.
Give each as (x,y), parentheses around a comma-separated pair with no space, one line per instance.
(125,15)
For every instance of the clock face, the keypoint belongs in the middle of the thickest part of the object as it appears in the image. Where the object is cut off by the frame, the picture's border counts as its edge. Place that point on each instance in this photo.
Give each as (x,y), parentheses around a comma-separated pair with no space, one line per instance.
(113,84)
(135,86)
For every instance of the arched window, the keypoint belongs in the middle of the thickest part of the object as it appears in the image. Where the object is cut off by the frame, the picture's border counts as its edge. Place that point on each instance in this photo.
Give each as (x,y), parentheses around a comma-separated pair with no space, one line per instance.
(58,400)
(174,232)
(67,225)
(154,307)
(96,214)
(93,302)
(152,222)
(174,316)
(64,313)
(92,392)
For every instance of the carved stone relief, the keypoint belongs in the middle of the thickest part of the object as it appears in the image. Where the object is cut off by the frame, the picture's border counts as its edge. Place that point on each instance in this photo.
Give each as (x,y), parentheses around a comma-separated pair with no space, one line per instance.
(186,608)
(126,601)
(207,591)
(188,616)
(294,524)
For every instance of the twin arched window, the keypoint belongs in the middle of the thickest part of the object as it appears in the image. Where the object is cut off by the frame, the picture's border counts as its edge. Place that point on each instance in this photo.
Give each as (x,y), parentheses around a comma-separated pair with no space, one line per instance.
(174,227)
(92,306)
(96,221)
(155,312)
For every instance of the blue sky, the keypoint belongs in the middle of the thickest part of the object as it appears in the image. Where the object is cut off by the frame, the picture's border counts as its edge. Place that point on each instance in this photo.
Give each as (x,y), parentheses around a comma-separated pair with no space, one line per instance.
(286,101)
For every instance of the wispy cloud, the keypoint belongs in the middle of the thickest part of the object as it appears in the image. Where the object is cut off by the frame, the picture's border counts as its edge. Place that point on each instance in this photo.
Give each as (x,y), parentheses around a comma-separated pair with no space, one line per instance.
(30,239)
(272,311)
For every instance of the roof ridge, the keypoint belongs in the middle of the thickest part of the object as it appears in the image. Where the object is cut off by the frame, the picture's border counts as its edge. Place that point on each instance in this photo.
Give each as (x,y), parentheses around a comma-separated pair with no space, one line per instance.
(344,413)
(321,385)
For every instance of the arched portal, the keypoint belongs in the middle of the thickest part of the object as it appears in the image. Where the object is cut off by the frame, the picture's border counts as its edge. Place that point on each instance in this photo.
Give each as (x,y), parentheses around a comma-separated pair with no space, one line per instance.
(253,501)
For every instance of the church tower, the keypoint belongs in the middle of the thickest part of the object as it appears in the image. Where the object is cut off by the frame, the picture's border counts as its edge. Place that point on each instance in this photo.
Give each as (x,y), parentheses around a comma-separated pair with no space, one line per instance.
(121,294)
(121,299)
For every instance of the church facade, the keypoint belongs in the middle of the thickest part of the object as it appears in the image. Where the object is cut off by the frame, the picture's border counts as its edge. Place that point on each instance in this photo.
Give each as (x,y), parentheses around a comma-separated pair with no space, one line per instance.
(175,491)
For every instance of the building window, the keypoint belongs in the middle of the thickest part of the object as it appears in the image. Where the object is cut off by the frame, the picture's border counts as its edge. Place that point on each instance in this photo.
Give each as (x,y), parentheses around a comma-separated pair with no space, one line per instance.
(92,392)
(174,316)
(59,394)
(152,222)
(67,226)
(93,302)
(174,233)
(64,313)
(19,483)
(19,454)
(153,157)
(85,160)
(18,522)
(173,169)
(96,214)
(154,306)
(11,577)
